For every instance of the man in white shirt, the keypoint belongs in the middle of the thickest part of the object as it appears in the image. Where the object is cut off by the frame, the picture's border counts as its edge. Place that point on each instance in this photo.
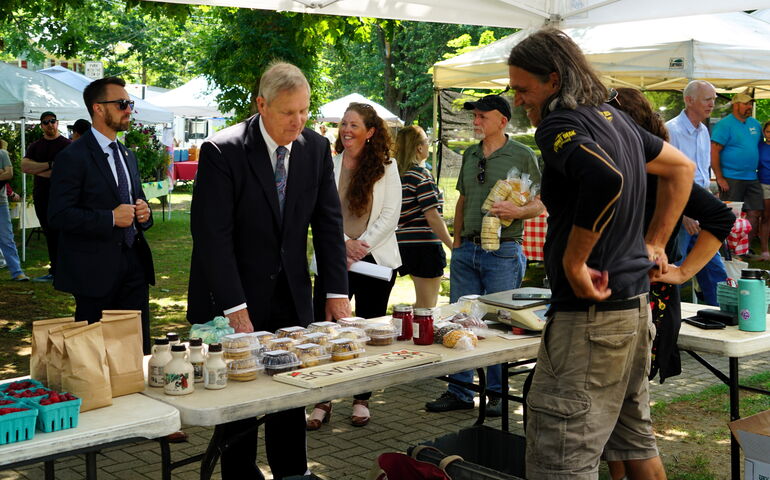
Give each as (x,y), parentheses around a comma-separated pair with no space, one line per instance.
(689,134)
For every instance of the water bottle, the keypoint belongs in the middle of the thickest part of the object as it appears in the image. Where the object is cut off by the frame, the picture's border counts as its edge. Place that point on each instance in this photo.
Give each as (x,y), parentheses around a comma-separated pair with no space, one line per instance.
(752,303)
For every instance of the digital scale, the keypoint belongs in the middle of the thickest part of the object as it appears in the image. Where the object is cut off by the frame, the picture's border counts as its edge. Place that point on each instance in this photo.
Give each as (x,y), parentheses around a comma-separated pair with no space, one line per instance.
(512,307)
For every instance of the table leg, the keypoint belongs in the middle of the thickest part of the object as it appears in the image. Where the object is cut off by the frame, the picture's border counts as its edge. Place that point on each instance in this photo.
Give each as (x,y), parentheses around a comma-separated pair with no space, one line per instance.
(91,465)
(482,396)
(504,399)
(49,470)
(735,414)
(213,452)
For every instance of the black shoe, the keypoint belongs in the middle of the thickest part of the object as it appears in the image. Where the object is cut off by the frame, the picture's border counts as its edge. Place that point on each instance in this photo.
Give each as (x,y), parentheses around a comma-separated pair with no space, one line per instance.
(494,407)
(448,402)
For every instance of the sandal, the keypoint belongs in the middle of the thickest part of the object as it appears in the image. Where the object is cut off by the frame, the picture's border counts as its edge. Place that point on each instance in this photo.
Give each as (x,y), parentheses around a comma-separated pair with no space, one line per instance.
(321,413)
(360,415)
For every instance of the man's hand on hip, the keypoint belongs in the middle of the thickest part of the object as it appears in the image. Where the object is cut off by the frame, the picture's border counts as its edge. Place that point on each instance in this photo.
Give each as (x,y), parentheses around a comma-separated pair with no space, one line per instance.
(337,308)
(240,321)
(691,226)
(123,215)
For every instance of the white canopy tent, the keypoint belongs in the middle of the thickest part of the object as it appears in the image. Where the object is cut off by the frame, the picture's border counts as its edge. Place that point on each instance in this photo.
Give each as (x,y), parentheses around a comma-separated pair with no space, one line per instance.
(500,13)
(728,50)
(143,111)
(25,95)
(334,110)
(196,98)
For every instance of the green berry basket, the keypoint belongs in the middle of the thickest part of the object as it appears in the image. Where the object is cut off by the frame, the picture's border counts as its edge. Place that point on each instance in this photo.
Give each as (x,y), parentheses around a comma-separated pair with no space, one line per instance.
(17,426)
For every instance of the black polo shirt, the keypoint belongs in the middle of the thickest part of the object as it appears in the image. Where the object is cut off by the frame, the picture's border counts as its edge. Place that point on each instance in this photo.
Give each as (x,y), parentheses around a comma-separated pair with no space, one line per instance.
(620,250)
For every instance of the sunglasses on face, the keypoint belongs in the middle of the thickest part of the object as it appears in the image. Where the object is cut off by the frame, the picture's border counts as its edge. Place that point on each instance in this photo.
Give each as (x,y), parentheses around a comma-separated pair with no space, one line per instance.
(122,104)
(48,122)
(482,176)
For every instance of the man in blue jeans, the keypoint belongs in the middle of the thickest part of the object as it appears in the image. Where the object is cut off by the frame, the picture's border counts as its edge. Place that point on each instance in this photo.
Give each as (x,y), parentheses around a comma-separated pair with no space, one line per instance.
(473,270)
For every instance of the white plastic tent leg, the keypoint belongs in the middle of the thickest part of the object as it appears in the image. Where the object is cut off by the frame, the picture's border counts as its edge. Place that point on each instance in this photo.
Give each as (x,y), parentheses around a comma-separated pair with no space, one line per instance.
(23,212)
(436,134)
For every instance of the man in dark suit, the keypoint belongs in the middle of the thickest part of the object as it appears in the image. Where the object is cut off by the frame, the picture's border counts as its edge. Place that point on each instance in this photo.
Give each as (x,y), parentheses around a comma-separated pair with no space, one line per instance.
(98,205)
(260,185)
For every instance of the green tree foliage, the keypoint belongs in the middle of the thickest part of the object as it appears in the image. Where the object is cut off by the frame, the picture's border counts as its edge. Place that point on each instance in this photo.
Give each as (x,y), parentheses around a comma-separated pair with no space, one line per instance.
(236,51)
(144,42)
(393,66)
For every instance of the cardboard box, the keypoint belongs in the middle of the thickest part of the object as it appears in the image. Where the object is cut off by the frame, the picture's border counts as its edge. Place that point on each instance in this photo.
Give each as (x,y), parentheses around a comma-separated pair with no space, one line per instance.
(753,434)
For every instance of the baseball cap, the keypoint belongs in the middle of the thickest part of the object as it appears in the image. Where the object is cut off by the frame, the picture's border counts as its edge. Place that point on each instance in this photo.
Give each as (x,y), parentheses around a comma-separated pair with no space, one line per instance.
(47,114)
(741,98)
(489,103)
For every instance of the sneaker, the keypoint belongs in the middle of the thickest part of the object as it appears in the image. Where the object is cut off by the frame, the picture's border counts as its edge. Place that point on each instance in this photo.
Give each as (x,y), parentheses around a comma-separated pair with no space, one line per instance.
(20,278)
(494,407)
(44,278)
(448,402)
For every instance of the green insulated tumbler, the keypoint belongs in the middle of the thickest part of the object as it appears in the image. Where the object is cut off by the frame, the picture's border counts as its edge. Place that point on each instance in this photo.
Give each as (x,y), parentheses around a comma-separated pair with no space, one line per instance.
(752,303)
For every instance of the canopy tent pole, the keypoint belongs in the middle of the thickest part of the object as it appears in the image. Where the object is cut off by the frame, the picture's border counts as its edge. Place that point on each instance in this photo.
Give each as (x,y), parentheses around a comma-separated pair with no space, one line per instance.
(23,193)
(436,134)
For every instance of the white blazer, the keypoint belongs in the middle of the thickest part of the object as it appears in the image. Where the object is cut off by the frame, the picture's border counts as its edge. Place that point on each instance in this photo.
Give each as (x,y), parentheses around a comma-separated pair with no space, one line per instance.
(380,231)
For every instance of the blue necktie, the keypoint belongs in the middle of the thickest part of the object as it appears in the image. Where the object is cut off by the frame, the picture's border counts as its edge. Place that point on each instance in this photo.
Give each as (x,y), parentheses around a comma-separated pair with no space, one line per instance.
(125,197)
(280,175)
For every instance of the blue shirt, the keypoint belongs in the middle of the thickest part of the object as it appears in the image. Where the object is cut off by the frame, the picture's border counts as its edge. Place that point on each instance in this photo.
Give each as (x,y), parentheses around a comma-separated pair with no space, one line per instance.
(740,156)
(764,163)
(694,142)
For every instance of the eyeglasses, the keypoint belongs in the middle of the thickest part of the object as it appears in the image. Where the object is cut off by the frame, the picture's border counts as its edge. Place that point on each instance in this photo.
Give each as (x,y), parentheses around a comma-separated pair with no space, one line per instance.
(122,104)
(614,100)
(48,122)
(482,176)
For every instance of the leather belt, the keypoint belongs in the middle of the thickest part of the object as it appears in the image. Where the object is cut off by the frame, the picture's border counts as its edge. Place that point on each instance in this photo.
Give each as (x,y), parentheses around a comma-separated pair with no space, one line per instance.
(477,239)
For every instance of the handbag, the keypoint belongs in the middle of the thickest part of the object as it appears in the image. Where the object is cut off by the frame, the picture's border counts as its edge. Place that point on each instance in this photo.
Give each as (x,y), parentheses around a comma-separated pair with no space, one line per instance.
(398,466)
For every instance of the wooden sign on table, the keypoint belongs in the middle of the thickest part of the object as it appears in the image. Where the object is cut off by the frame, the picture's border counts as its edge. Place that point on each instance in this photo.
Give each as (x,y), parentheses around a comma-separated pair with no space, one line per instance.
(336,372)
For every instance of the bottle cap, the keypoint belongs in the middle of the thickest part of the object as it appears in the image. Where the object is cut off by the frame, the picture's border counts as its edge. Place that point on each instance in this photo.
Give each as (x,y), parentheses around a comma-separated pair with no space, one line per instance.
(196,342)
(215,347)
(178,348)
(423,312)
(172,337)
(402,307)
(161,341)
(752,273)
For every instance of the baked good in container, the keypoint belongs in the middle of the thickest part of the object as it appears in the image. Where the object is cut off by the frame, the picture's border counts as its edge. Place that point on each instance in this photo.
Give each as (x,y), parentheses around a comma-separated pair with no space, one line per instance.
(311,354)
(358,322)
(291,332)
(263,336)
(329,328)
(239,345)
(284,343)
(319,338)
(381,333)
(345,349)
(244,369)
(278,361)
(441,329)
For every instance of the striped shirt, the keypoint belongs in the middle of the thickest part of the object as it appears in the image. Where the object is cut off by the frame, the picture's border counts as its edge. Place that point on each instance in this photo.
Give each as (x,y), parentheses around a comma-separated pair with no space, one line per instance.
(419,194)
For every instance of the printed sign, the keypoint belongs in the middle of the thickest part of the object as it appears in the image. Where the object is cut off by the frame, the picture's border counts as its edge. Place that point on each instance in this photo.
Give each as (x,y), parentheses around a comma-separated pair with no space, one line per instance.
(94,70)
(336,372)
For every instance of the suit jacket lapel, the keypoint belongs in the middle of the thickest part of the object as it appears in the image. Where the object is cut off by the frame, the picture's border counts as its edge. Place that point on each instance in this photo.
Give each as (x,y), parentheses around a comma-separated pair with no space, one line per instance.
(99,158)
(256,153)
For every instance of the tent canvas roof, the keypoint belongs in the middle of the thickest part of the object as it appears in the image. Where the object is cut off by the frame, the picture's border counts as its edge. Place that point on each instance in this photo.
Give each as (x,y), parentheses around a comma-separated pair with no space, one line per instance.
(27,94)
(334,110)
(499,13)
(144,112)
(196,98)
(728,49)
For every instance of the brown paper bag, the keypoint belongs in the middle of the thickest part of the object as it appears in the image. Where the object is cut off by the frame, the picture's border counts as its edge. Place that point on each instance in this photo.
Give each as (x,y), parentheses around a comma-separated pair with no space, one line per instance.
(37,368)
(123,343)
(86,374)
(55,353)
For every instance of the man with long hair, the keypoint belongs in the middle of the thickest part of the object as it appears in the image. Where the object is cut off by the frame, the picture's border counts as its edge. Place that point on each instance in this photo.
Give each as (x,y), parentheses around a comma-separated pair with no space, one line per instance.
(589,395)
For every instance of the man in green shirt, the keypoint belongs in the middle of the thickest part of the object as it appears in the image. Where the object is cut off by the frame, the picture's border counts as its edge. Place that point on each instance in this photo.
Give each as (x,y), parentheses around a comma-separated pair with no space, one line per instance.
(473,270)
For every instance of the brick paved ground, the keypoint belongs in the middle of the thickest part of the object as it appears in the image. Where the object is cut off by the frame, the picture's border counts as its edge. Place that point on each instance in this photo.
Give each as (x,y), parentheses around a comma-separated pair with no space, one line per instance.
(341,452)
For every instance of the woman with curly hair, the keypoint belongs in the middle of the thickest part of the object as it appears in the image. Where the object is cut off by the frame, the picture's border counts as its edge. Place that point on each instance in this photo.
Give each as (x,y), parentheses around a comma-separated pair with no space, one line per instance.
(421,229)
(370,196)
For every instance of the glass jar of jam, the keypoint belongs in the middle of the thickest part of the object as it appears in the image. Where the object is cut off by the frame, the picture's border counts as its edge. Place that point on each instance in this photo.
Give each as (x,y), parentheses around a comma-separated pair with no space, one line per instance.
(402,319)
(423,326)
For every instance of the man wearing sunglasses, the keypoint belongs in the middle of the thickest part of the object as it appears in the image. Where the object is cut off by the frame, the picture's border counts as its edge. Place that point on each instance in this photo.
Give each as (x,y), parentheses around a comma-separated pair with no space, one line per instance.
(474,271)
(98,205)
(38,161)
